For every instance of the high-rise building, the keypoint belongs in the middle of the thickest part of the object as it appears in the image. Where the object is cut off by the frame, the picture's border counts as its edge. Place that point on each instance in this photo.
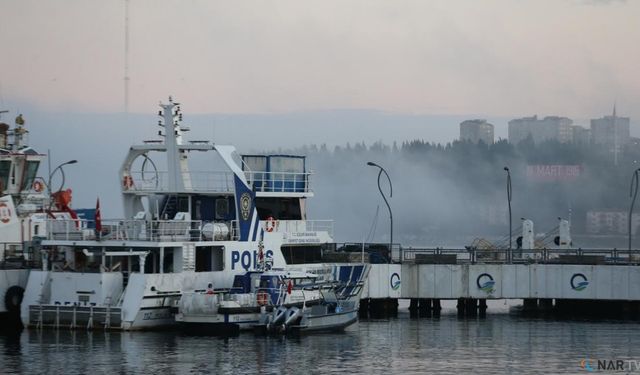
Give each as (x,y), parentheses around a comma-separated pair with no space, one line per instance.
(476,131)
(580,135)
(549,128)
(612,132)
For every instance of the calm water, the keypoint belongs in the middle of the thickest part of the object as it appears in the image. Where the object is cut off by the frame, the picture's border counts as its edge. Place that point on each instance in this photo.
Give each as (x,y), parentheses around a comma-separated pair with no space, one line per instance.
(500,343)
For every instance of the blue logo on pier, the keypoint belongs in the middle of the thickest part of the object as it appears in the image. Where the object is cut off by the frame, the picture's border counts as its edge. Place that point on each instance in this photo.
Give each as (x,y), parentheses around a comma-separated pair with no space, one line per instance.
(485,283)
(395,281)
(579,282)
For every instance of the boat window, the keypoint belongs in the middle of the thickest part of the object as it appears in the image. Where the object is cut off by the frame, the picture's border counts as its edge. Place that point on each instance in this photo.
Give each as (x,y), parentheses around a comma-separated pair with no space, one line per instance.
(254,163)
(254,167)
(30,174)
(279,208)
(268,282)
(286,164)
(287,174)
(222,208)
(209,258)
(5,166)
(167,262)
(302,254)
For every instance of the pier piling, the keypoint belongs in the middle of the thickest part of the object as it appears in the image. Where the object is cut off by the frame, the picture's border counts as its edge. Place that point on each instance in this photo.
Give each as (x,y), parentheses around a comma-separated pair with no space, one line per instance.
(482,307)
(425,307)
(363,311)
(436,307)
(461,306)
(413,307)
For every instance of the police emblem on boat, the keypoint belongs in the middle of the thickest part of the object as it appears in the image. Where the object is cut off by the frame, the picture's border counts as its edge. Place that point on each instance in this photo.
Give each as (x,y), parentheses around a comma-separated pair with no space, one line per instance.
(245,204)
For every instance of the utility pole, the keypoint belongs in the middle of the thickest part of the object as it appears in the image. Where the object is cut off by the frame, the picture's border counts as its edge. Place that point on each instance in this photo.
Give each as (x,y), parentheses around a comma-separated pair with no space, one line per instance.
(126,56)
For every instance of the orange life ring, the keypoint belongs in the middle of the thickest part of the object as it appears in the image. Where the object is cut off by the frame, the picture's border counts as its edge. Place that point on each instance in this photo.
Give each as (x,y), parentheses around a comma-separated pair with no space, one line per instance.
(271,224)
(262,298)
(37,186)
(127,182)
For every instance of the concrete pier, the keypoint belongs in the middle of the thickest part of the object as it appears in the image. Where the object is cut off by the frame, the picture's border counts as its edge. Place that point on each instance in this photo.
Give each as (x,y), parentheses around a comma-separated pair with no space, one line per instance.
(567,283)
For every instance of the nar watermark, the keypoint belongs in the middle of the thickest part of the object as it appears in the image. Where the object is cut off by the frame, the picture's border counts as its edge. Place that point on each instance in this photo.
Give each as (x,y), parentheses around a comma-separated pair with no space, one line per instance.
(604,365)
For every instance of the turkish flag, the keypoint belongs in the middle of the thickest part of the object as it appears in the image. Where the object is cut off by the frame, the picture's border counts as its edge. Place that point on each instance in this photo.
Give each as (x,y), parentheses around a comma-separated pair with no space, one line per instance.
(98,217)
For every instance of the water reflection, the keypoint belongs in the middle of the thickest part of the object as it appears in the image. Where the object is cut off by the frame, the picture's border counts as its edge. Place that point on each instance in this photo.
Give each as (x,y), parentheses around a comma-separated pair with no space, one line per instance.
(497,344)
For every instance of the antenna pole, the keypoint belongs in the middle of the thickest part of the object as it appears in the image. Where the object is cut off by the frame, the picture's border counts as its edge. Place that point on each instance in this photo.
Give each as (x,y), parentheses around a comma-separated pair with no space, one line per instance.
(126,56)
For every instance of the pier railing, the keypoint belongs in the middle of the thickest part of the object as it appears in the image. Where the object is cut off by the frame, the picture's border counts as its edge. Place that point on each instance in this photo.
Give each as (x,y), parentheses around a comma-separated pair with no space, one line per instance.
(520,256)
(376,252)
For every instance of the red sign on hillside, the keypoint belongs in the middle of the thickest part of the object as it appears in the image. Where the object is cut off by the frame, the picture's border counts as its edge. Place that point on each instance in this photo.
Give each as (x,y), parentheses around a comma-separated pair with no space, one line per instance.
(553,172)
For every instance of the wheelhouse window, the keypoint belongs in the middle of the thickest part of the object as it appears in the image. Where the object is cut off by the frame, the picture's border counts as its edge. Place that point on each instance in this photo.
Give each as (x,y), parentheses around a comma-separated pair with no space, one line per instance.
(288,165)
(5,167)
(30,173)
(279,208)
(254,167)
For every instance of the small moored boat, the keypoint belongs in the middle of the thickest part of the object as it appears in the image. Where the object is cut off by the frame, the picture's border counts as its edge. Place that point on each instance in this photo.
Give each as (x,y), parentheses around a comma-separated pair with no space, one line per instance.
(336,310)
(276,300)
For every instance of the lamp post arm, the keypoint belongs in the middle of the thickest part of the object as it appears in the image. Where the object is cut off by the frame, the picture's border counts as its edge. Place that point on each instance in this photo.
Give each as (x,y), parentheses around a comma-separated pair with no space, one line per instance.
(388,207)
(381,193)
(389,179)
(51,177)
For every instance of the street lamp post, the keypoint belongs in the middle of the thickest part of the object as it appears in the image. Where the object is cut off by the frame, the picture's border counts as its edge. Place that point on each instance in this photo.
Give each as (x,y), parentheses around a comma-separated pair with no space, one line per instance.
(61,171)
(633,193)
(387,202)
(510,255)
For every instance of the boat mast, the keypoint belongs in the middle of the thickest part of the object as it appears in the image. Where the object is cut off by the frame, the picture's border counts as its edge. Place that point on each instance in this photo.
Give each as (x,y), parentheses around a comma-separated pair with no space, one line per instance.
(177,169)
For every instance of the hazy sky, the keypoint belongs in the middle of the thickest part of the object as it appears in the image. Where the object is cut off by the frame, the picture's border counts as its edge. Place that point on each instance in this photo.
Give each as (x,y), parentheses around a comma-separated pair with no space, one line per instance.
(490,57)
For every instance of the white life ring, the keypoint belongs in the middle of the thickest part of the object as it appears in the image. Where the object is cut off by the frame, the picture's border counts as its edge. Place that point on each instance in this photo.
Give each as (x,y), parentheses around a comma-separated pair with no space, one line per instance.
(271,224)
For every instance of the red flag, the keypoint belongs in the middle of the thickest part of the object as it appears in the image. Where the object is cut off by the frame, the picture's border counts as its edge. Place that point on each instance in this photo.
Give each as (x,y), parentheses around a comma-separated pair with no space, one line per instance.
(98,217)
(289,287)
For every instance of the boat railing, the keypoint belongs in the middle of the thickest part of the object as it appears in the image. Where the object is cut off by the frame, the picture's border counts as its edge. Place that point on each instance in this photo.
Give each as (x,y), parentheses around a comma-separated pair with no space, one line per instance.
(301,228)
(125,230)
(219,182)
(471,255)
(279,182)
(196,181)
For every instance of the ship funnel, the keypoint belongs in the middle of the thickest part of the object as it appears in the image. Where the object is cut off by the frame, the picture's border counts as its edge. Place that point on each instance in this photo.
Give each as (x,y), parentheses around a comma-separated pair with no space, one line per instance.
(527,235)
(565,234)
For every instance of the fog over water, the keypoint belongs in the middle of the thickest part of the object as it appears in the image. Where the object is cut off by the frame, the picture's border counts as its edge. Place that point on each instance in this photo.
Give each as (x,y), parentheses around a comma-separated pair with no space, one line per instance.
(443,194)
(280,76)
